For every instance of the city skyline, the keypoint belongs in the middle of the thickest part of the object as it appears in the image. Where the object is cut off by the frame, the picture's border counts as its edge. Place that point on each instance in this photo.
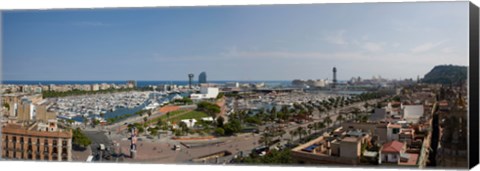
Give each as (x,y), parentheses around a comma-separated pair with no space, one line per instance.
(279,42)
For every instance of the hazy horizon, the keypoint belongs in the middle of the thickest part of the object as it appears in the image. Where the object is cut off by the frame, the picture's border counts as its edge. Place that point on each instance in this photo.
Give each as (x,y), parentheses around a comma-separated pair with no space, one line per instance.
(250,43)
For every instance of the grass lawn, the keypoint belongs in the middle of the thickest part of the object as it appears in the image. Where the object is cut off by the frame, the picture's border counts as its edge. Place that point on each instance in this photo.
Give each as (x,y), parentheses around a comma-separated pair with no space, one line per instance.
(189,115)
(178,115)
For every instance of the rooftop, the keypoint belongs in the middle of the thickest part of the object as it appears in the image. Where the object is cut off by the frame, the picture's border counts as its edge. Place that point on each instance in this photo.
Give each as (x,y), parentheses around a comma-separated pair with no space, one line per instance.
(392,147)
(394,126)
(24,130)
(350,139)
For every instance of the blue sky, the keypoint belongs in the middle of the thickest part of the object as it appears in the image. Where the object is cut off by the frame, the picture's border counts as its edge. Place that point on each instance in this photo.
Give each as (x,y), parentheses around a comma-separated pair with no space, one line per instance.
(280,42)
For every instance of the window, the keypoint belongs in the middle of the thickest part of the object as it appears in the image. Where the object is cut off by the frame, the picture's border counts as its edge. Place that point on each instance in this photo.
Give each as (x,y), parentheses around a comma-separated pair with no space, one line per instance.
(396,130)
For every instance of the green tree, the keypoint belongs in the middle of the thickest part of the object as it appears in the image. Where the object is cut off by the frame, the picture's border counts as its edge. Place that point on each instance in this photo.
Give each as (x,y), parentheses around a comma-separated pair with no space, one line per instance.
(281,133)
(160,123)
(320,125)
(220,121)
(70,121)
(273,113)
(310,126)
(340,118)
(6,105)
(327,121)
(232,127)
(292,133)
(80,139)
(220,95)
(153,131)
(183,126)
(299,132)
(85,120)
(220,131)
(149,113)
(139,113)
(209,108)
(265,139)
(95,122)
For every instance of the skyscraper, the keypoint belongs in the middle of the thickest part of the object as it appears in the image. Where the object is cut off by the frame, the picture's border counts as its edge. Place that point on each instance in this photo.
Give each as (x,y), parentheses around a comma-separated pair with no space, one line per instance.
(202,78)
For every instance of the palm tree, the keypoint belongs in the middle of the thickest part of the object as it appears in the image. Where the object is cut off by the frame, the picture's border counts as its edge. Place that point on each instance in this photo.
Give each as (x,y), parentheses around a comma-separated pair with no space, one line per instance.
(273,113)
(355,113)
(281,133)
(327,121)
(366,106)
(300,131)
(183,126)
(310,127)
(160,122)
(292,134)
(321,125)
(149,113)
(85,120)
(310,112)
(266,138)
(340,118)
(145,119)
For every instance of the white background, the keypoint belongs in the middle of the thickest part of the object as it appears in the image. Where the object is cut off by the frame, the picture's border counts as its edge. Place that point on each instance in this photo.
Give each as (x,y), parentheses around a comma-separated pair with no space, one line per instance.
(74,166)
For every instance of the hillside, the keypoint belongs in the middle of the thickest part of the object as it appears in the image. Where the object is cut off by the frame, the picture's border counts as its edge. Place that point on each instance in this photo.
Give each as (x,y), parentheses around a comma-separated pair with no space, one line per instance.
(446,74)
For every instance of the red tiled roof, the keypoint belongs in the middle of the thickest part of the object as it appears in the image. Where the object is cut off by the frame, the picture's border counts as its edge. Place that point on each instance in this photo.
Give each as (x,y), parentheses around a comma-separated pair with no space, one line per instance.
(392,147)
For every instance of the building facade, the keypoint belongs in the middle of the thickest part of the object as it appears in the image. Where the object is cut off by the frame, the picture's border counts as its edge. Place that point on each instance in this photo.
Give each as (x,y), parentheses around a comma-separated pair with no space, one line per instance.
(36,142)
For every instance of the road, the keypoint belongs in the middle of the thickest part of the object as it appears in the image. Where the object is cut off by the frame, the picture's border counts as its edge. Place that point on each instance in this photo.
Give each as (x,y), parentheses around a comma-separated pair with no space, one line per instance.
(332,114)
(97,138)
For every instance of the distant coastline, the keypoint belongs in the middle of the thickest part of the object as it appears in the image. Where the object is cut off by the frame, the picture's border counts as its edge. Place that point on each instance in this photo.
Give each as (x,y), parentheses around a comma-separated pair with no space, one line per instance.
(140,83)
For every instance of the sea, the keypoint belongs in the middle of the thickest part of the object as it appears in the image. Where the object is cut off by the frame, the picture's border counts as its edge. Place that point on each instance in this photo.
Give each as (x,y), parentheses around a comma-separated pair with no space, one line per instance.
(273,84)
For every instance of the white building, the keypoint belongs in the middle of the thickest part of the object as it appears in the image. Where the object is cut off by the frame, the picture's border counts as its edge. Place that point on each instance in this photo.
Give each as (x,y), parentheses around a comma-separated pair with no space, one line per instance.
(232,84)
(206,93)
(320,83)
(412,113)
(391,152)
(95,87)
(189,122)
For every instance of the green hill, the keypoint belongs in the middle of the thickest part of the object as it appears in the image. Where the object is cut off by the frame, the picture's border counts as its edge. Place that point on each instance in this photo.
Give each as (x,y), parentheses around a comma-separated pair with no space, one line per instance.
(446,74)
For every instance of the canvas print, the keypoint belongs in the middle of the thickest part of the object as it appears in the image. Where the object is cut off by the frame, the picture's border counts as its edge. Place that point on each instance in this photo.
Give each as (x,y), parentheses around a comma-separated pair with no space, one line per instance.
(360,84)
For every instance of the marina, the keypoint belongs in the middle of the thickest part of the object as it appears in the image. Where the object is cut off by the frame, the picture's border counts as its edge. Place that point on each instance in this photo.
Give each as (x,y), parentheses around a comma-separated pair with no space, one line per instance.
(105,106)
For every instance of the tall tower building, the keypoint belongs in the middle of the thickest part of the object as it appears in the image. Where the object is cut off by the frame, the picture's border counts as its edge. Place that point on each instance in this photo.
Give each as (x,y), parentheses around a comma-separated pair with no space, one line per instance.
(334,77)
(190,77)
(202,78)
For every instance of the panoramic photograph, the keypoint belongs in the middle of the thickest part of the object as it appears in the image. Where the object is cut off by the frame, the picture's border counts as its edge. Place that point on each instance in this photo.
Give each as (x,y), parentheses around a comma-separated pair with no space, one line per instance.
(360,84)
